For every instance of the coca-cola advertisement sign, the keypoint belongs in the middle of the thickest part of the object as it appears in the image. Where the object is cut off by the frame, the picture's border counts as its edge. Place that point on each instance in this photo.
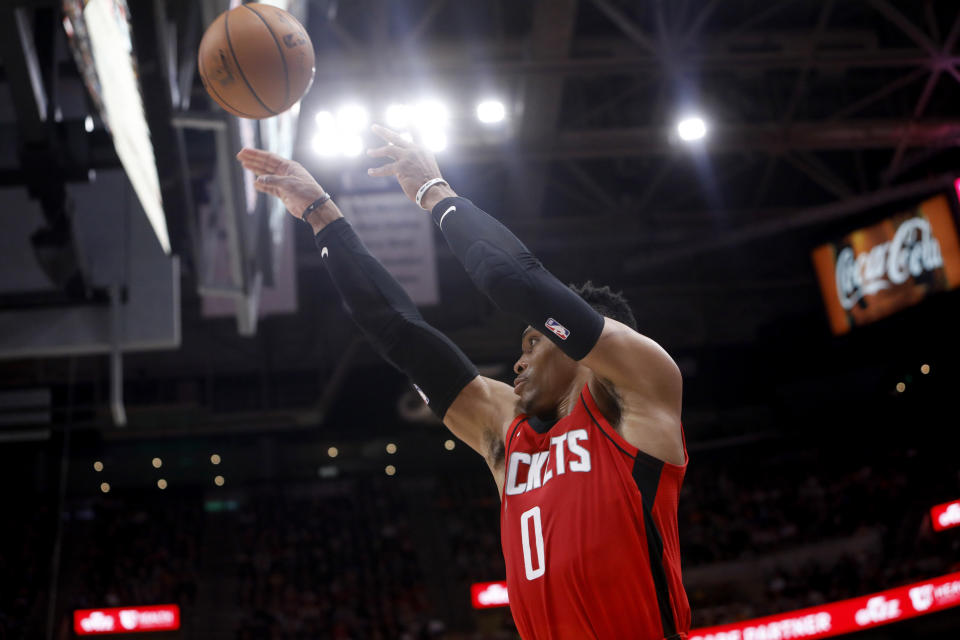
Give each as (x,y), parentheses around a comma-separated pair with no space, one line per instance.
(873,272)
(945,516)
(161,617)
(489,594)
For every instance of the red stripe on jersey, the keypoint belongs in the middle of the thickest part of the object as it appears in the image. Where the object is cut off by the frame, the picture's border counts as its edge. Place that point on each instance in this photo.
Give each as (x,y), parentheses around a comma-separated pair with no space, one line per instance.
(589,533)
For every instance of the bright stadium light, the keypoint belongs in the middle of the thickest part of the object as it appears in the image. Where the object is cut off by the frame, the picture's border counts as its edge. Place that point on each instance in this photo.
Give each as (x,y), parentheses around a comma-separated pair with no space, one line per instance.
(435,140)
(325,121)
(351,145)
(326,140)
(691,129)
(88,124)
(352,117)
(430,115)
(325,145)
(491,112)
(397,116)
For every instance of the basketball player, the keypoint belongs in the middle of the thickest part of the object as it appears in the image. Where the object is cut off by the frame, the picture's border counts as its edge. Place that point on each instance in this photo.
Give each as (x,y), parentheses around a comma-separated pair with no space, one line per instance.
(586,448)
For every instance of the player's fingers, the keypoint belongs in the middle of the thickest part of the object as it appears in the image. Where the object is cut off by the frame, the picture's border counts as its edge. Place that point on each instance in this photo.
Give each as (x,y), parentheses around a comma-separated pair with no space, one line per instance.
(388,151)
(390,136)
(254,165)
(265,161)
(385,170)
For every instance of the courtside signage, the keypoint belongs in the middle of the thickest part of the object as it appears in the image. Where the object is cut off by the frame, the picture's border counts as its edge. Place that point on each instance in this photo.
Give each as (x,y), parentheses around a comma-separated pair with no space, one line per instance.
(876,271)
(945,516)
(162,617)
(845,616)
(489,594)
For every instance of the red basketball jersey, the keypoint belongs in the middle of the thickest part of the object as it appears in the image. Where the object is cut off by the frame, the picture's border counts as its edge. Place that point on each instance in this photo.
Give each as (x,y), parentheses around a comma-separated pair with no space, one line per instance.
(588,526)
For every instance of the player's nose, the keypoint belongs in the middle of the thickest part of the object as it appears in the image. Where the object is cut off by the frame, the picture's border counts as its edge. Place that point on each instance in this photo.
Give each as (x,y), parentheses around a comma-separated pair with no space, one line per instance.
(519,366)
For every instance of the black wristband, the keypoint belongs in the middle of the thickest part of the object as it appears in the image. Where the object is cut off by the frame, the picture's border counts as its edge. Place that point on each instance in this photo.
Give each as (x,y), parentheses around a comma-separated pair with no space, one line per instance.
(316,204)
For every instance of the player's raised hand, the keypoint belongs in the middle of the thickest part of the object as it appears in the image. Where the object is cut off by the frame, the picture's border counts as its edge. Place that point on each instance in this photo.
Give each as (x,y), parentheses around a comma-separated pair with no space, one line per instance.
(283,178)
(413,165)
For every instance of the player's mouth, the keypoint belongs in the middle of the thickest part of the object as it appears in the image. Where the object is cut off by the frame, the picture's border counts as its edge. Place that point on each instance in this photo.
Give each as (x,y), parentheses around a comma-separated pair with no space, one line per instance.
(517,383)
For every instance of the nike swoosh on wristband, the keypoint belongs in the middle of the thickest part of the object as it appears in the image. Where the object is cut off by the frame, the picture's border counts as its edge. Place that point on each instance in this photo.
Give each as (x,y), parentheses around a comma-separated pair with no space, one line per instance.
(450,210)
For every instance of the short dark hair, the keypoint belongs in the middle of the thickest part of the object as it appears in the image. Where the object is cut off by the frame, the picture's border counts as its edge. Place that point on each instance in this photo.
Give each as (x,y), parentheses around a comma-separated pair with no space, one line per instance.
(606,302)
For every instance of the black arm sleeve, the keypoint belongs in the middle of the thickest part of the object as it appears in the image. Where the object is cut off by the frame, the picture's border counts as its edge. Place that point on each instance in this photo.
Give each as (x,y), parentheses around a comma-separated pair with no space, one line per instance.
(390,321)
(505,270)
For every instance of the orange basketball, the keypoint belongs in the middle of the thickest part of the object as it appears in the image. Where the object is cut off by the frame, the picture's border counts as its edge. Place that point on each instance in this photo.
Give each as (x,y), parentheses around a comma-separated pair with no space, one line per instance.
(256,60)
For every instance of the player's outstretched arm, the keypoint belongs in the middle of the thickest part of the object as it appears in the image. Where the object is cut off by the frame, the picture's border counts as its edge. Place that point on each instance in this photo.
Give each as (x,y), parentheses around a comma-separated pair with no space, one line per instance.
(381,308)
(644,377)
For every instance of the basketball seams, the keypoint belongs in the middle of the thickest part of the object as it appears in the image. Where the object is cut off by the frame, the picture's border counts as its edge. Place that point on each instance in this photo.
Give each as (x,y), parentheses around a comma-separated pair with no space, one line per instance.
(283,58)
(226,29)
(223,103)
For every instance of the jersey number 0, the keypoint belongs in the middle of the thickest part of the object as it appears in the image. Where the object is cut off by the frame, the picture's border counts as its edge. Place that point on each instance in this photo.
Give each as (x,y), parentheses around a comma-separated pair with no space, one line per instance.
(525,518)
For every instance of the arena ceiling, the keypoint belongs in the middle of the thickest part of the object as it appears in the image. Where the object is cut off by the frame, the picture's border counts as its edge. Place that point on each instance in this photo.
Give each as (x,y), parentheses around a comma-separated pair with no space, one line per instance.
(822,114)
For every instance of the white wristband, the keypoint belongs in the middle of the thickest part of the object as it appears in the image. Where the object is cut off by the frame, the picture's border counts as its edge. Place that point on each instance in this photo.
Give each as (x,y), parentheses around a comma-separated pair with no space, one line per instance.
(426,185)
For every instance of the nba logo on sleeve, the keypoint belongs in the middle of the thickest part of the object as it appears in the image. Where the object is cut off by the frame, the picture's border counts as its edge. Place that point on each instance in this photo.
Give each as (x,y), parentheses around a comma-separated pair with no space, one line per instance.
(561,331)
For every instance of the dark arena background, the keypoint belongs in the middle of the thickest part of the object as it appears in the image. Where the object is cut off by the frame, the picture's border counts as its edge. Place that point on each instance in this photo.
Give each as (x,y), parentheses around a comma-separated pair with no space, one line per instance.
(196,442)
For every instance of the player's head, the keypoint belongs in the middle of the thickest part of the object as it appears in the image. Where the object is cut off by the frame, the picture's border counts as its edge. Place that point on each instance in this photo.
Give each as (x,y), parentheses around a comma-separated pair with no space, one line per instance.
(606,302)
(544,373)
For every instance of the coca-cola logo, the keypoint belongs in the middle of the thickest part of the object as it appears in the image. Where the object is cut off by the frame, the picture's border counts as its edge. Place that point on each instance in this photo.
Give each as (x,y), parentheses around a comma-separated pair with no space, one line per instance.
(951,516)
(493,595)
(96,621)
(913,251)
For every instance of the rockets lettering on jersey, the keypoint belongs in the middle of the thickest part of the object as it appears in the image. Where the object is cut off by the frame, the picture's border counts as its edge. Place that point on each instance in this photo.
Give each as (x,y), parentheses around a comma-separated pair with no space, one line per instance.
(566,454)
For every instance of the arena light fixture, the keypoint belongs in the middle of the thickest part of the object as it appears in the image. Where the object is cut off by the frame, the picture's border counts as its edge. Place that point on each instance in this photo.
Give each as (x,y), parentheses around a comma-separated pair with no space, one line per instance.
(431,114)
(351,145)
(692,128)
(157,463)
(449,445)
(326,140)
(325,145)
(325,121)
(161,484)
(431,118)
(491,112)
(105,487)
(397,116)
(98,466)
(215,459)
(333,452)
(390,470)
(218,480)
(434,139)
(924,369)
(88,124)
(391,448)
(352,117)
